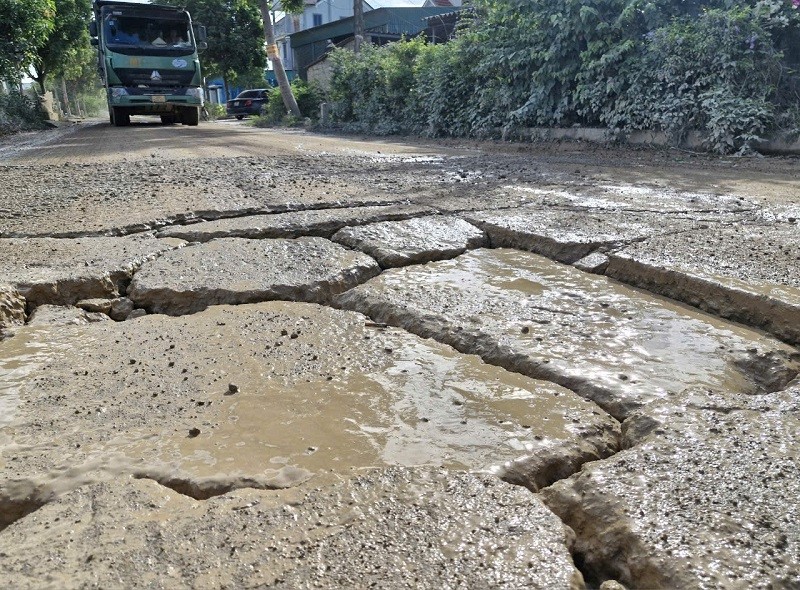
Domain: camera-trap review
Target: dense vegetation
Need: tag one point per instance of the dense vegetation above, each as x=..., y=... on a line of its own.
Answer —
x=308, y=97
x=47, y=40
x=727, y=68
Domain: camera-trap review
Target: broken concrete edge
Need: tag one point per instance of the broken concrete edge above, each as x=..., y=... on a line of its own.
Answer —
x=613, y=545
x=322, y=229
x=694, y=140
x=553, y=466
x=12, y=308
x=110, y=287
x=169, y=301
x=757, y=310
x=564, y=252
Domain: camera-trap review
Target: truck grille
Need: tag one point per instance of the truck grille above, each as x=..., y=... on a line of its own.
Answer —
x=136, y=77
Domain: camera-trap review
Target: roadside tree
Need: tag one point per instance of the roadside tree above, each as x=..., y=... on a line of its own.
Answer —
x=67, y=47
x=26, y=27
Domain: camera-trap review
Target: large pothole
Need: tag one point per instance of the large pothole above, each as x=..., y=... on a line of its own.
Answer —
x=620, y=347
x=267, y=395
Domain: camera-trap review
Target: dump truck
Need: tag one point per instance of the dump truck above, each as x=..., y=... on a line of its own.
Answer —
x=147, y=59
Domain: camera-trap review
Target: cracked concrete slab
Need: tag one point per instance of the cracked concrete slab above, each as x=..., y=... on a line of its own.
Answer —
x=394, y=528
x=706, y=499
x=748, y=273
x=568, y=235
x=238, y=270
x=143, y=195
x=643, y=197
x=266, y=395
x=414, y=241
x=63, y=271
x=617, y=346
x=321, y=223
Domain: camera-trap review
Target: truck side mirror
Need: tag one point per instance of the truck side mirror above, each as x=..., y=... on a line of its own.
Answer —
x=93, y=28
x=200, y=33
x=202, y=45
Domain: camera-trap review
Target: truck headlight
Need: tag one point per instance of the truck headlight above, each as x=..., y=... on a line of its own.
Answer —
x=195, y=92
x=117, y=92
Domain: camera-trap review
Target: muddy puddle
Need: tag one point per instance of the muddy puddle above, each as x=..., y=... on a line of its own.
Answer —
x=429, y=407
x=277, y=392
x=21, y=360
x=616, y=345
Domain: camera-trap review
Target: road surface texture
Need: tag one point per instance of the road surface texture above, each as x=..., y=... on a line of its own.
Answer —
x=243, y=358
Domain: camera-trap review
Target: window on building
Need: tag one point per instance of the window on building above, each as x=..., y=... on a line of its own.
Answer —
x=317, y=19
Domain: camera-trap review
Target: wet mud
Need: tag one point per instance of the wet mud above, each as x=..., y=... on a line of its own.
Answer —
x=682, y=508
x=270, y=395
x=619, y=347
x=208, y=378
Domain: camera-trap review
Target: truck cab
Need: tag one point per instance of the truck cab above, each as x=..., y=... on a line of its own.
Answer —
x=148, y=62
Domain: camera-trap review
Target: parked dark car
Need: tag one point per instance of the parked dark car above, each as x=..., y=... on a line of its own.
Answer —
x=249, y=102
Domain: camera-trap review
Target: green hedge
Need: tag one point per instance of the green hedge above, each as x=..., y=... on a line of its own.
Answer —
x=308, y=97
x=19, y=112
x=726, y=68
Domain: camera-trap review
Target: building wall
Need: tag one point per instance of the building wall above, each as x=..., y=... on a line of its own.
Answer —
x=329, y=10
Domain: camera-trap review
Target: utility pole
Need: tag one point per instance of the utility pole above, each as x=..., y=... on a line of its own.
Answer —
x=358, y=24
x=274, y=56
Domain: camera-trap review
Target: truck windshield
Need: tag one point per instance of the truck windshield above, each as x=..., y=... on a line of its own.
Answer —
x=146, y=31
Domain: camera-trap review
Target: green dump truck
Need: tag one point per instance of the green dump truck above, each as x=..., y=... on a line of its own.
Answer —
x=147, y=60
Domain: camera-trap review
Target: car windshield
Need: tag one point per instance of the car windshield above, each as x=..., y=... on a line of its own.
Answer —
x=250, y=94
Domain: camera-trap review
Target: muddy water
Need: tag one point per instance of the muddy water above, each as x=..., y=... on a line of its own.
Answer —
x=282, y=391
x=21, y=359
x=430, y=406
x=617, y=345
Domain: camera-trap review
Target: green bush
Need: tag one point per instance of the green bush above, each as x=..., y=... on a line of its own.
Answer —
x=19, y=112
x=308, y=97
x=215, y=111
x=374, y=89
x=719, y=73
x=727, y=68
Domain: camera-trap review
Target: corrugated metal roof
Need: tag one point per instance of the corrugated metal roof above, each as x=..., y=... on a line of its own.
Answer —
x=395, y=3
x=397, y=21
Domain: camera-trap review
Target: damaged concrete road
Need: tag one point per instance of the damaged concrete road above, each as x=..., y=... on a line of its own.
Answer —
x=271, y=394
x=209, y=378
x=393, y=528
x=619, y=347
x=696, y=500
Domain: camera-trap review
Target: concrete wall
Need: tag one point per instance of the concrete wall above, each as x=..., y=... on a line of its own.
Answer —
x=693, y=141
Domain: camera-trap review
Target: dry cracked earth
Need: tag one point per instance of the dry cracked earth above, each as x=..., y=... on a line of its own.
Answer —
x=240, y=358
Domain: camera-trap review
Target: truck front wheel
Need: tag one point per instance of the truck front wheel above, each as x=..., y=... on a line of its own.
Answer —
x=120, y=117
x=190, y=116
